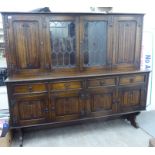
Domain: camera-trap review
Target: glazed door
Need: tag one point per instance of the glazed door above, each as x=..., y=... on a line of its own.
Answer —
x=29, y=110
x=63, y=43
x=26, y=44
x=127, y=42
x=95, y=42
x=132, y=98
x=67, y=106
x=102, y=102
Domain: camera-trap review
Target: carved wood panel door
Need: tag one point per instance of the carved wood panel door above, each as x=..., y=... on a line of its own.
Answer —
x=66, y=106
x=29, y=110
x=102, y=102
x=26, y=43
x=127, y=42
x=95, y=42
x=131, y=98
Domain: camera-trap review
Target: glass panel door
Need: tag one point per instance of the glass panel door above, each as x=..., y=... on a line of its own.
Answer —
x=95, y=38
x=95, y=43
x=63, y=42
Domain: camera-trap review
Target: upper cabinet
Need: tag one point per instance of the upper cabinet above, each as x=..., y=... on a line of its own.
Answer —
x=74, y=43
x=127, y=42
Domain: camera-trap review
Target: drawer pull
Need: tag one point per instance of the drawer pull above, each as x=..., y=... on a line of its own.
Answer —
x=131, y=80
x=102, y=83
x=67, y=85
x=46, y=110
x=30, y=88
x=82, y=96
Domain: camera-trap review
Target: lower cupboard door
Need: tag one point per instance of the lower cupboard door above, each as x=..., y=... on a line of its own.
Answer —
x=29, y=111
x=132, y=98
x=102, y=102
x=67, y=106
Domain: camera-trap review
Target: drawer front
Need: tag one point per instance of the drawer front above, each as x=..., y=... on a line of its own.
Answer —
x=66, y=85
x=28, y=88
x=99, y=82
x=132, y=79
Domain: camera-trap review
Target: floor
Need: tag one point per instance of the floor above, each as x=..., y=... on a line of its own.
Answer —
x=113, y=133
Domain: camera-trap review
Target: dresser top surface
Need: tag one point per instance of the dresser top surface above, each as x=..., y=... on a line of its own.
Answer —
x=68, y=13
x=53, y=76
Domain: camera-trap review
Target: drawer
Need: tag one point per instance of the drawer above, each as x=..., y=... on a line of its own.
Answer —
x=66, y=85
x=99, y=82
x=28, y=88
x=132, y=79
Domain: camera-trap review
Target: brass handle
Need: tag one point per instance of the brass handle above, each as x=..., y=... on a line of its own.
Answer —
x=102, y=83
x=82, y=96
x=46, y=110
x=30, y=88
x=131, y=80
x=67, y=85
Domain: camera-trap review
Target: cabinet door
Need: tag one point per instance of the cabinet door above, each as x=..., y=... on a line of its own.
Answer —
x=29, y=110
x=25, y=35
x=95, y=42
x=67, y=106
x=63, y=43
x=102, y=102
x=127, y=42
x=132, y=98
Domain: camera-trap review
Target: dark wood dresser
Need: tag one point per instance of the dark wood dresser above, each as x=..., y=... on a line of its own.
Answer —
x=67, y=67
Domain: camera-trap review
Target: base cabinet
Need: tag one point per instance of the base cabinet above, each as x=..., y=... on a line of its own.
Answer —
x=49, y=101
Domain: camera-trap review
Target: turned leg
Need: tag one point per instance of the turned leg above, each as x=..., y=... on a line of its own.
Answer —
x=20, y=132
x=132, y=119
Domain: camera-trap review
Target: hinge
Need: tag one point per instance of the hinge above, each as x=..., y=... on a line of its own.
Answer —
x=44, y=25
x=47, y=66
x=110, y=21
x=12, y=102
x=46, y=110
x=140, y=22
x=7, y=25
x=14, y=120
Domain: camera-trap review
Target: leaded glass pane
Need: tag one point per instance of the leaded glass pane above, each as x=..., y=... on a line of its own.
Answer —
x=62, y=35
x=95, y=44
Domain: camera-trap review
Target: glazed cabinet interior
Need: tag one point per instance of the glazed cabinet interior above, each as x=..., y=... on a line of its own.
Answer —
x=67, y=67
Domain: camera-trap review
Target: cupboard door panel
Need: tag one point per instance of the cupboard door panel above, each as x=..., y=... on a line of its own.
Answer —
x=102, y=102
x=67, y=106
x=132, y=98
x=26, y=35
x=127, y=42
x=30, y=110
